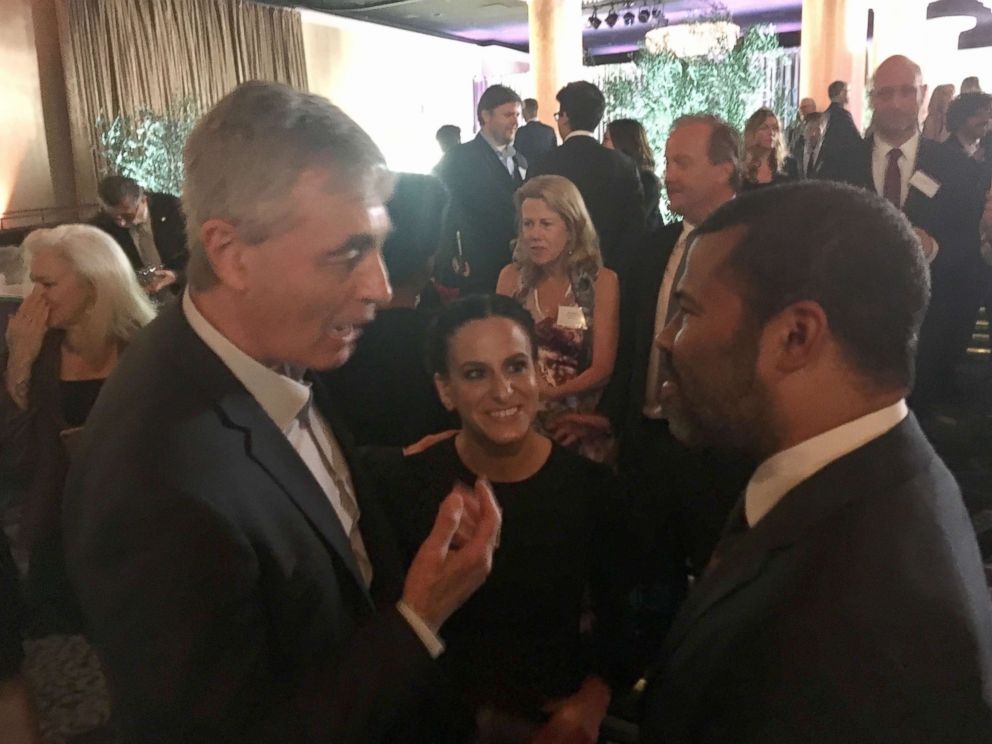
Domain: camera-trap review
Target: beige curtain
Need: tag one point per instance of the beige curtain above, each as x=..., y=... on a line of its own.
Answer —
x=121, y=56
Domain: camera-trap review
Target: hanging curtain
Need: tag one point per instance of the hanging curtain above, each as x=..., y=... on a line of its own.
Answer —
x=122, y=56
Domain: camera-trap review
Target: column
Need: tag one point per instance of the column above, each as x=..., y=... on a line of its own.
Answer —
x=555, y=50
x=834, y=45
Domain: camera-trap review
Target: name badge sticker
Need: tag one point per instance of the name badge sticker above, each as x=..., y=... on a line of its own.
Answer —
x=572, y=317
x=923, y=183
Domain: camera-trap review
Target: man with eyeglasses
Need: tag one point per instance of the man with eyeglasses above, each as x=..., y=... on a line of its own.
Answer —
x=149, y=227
x=940, y=193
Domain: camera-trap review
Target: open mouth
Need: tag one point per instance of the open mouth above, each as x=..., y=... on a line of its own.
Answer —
x=347, y=332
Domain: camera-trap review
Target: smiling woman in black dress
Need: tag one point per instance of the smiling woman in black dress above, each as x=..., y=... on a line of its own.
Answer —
x=516, y=652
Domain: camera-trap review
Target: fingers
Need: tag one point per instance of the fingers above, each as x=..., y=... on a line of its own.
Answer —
x=470, y=516
x=449, y=515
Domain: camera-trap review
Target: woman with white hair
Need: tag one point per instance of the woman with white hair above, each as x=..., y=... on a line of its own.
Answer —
x=61, y=344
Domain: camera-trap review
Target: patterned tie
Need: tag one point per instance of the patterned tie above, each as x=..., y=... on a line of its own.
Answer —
x=892, y=189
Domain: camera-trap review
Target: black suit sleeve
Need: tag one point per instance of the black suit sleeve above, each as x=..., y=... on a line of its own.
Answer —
x=192, y=655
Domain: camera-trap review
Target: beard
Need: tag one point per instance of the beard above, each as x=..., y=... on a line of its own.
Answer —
x=721, y=402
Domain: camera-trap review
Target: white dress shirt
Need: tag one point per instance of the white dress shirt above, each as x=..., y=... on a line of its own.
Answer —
x=506, y=154
x=579, y=133
x=907, y=163
x=288, y=400
x=782, y=472
x=652, y=400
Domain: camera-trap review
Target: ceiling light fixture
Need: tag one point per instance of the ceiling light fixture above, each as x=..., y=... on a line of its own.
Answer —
x=644, y=16
x=612, y=18
x=628, y=19
x=594, y=20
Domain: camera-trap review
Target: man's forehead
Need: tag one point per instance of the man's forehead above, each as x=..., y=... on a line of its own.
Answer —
x=708, y=254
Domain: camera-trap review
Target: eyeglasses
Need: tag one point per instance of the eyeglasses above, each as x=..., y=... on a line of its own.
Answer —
x=557, y=114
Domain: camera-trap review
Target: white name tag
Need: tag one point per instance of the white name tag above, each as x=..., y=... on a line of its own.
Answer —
x=570, y=316
x=922, y=182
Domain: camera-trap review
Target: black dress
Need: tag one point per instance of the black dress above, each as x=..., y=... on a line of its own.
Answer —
x=384, y=393
x=516, y=644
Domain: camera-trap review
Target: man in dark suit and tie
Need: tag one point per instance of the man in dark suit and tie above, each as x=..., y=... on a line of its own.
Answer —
x=805, y=162
x=940, y=192
x=237, y=577
x=846, y=601
x=150, y=227
x=607, y=179
x=535, y=138
x=481, y=176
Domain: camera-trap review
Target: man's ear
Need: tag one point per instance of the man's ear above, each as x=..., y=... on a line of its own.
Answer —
x=226, y=252
x=798, y=335
x=443, y=388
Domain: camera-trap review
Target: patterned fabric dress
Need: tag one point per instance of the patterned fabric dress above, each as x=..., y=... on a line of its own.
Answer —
x=565, y=353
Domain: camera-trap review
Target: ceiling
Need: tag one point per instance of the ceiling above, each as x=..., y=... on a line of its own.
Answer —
x=505, y=21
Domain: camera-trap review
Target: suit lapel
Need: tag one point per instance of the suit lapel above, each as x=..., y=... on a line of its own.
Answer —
x=919, y=208
x=493, y=162
x=879, y=465
x=265, y=444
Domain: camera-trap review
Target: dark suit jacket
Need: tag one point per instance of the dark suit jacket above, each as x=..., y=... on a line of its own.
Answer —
x=168, y=229
x=953, y=144
x=842, y=145
x=218, y=584
x=855, y=611
x=611, y=188
x=623, y=397
x=481, y=209
x=534, y=139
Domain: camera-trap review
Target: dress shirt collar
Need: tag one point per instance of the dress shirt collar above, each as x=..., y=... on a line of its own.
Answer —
x=281, y=396
x=504, y=152
x=909, y=148
x=782, y=472
x=579, y=133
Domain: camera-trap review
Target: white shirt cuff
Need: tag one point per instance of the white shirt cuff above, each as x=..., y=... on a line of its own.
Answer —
x=434, y=645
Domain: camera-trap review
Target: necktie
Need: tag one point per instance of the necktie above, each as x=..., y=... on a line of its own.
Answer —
x=810, y=163
x=892, y=189
x=319, y=450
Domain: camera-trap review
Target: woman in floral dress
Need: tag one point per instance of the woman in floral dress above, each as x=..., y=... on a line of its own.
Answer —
x=558, y=275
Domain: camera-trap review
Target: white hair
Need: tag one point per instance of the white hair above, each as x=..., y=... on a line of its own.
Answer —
x=120, y=307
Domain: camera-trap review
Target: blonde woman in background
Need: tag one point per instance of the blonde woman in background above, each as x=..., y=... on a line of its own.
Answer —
x=935, y=125
x=764, y=151
x=557, y=274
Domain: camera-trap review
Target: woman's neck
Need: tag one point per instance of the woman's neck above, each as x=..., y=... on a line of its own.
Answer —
x=509, y=463
x=77, y=342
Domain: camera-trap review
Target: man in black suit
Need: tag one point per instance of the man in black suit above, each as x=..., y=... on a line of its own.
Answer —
x=150, y=227
x=846, y=601
x=805, y=161
x=842, y=141
x=607, y=179
x=481, y=176
x=535, y=138
x=698, y=486
x=238, y=580
x=968, y=118
x=940, y=192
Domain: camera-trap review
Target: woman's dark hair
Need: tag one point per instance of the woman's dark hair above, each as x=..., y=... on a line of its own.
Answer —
x=460, y=312
x=628, y=136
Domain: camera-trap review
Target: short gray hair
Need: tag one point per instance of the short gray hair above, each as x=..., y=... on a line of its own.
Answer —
x=120, y=306
x=247, y=153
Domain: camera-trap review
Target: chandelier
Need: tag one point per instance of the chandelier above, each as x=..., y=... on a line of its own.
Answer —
x=702, y=39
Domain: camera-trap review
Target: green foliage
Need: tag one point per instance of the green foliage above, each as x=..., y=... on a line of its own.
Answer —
x=147, y=146
x=659, y=88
